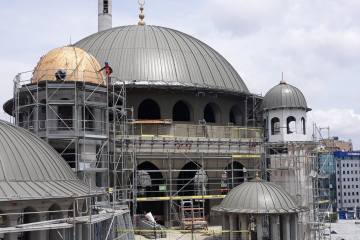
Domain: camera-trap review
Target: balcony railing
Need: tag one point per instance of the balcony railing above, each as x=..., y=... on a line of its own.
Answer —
x=196, y=131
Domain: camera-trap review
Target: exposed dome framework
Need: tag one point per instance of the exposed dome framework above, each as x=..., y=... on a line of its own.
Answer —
x=158, y=56
x=32, y=169
x=75, y=63
x=283, y=96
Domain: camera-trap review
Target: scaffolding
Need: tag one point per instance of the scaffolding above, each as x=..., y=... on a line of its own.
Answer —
x=94, y=130
x=81, y=120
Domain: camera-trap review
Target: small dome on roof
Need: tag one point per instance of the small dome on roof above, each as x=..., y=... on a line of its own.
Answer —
x=31, y=169
x=284, y=95
x=75, y=63
x=258, y=197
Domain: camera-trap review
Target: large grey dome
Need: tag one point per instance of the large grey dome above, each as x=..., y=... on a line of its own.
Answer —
x=31, y=169
x=258, y=197
x=152, y=55
x=284, y=96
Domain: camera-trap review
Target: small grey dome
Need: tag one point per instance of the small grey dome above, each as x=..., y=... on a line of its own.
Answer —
x=162, y=57
x=284, y=96
x=32, y=169
x=258, y=197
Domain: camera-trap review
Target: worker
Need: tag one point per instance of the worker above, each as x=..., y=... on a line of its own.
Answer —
x=108, y=71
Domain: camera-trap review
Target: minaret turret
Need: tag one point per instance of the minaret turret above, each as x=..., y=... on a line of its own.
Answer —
x=284, y=111
x=104, y=15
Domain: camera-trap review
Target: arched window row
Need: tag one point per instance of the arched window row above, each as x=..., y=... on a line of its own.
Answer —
x=182, y=111
x=291, y=125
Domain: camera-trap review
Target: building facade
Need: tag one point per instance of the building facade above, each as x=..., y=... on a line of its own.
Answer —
x=348, y=184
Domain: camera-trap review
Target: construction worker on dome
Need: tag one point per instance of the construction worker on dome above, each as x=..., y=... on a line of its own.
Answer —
x=108, y=71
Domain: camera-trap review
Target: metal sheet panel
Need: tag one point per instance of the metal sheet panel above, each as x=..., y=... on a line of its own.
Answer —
x=284, y=95
x=258, y=197
x=32, y=169
x=152, y=55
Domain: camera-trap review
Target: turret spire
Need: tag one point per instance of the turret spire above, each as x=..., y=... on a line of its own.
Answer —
x=141, y=15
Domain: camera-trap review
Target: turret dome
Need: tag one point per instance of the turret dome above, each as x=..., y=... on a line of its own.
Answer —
x=68, y=64
x=283, y=96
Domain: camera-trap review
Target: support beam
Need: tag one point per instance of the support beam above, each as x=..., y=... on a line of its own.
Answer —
x=275, y=227
x=234, y=226
x=225, y=227
x=243, y=226
x=285, y=224
x=259, y=227
x=294, y=226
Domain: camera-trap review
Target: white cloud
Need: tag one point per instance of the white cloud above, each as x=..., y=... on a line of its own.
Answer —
x=344, y=123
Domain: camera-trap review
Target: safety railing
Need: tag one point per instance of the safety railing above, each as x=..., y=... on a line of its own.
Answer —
x=196, y=131
x=92, y=127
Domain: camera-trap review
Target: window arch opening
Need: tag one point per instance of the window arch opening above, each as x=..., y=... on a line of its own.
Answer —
x=211, y=113
x=275, y=126
x=235, y=116
x=149, y=110
x=181, y=112
x=291, y=125
x=303, y=125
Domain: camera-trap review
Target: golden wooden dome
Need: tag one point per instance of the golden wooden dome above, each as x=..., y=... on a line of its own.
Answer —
x=74, y=63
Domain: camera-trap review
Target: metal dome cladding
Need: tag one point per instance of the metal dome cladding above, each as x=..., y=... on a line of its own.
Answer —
x=158, y=56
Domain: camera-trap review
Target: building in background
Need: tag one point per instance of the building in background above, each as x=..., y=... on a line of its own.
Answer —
x=327, y=170
x=348, y=184
x=335, y=144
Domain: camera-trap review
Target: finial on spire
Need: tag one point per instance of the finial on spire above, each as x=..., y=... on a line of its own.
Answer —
x=282, y=78
x=141, y=15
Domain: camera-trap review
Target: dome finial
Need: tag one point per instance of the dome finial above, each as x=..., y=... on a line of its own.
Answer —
x=141, y=15
x=282, y=78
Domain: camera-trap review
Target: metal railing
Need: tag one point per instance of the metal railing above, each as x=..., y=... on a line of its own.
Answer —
x=197, y=131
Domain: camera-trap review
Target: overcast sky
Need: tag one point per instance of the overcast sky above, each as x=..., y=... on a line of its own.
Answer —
x=316, y=43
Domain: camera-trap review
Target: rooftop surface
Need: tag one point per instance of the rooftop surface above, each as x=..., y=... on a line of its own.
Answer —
x=346, y=229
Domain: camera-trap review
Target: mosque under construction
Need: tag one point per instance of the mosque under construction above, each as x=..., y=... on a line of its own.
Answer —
x=169, y=128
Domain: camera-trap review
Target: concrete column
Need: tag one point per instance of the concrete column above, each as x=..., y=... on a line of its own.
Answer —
x=259, y=227
x=233, y=226
x=294, y=227
x=285, y=223
x=225, y=226
x=13, y=221
x=275, y=227
x=42, y=235
x=243, y=226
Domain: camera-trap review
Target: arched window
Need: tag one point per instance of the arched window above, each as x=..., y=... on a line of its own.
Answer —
x=291, y=125
x=149, y=109
x=211, y=113
x=192, y=180
x=30, y=216
x=235, y=115
x=275, y=126
x=65, y=116
x=303, y=124
x=181, y=112
x=150, y=181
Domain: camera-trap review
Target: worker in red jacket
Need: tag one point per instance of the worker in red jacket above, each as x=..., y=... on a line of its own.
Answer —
x=108, y=70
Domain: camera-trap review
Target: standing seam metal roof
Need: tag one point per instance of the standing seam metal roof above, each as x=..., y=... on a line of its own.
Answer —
x=32, y=169
x=284, y=95
x=258, y=197
x=153, y=55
